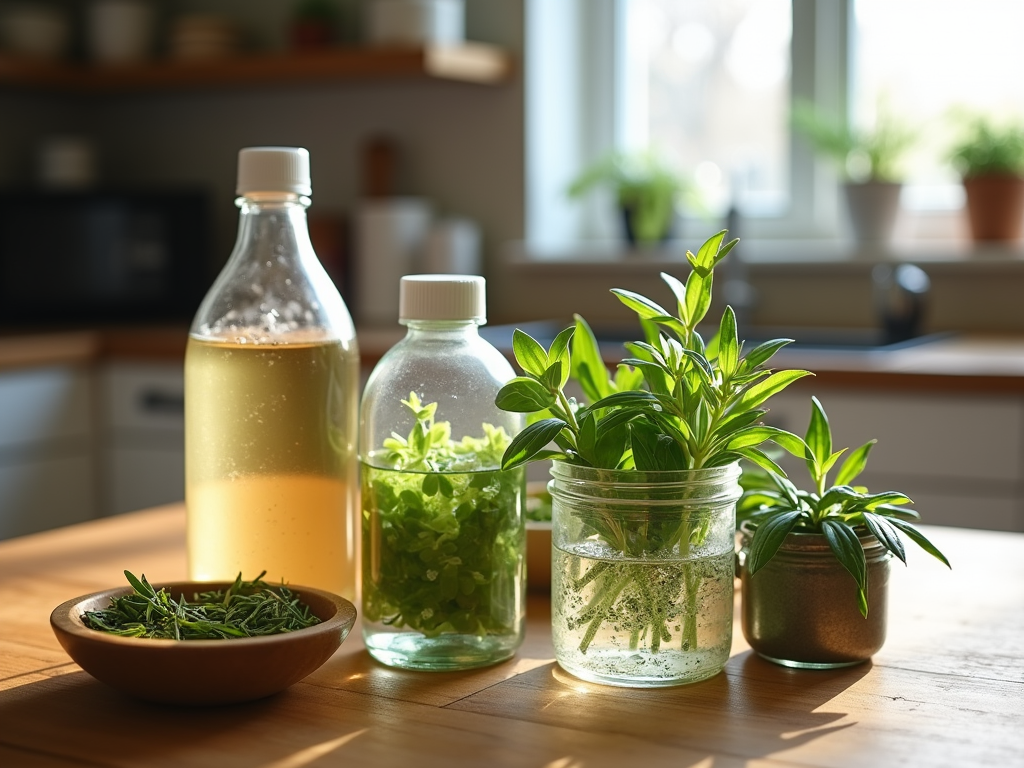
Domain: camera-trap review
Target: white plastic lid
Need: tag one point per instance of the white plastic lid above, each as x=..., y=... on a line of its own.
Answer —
x=273, y=169
x=442, y=297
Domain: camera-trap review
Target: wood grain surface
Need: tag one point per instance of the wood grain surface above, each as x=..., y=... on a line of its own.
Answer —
x=946, y=690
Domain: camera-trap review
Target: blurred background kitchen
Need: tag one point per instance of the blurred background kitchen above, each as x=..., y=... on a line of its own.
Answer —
x=848, y=142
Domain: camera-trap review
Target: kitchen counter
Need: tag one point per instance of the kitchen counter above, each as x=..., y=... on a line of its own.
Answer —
x=946, y=690
x=959, y=362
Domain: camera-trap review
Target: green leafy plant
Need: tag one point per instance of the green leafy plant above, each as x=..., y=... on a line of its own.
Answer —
x=676, y=403
x=986, y=148
x=841, y=512
x=861, y=154
x=442, y=528
x=244, y=609
x=645, y=187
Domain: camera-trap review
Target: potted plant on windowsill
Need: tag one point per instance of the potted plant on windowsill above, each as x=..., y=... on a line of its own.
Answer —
x=645, y=481
x=801, y=548
x=646, y=190
x=869, y=161
x=990, y=160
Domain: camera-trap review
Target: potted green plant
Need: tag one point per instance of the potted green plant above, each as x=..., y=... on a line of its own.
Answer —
x=990, y=160
x=646, y=190
x=869, y=161
x=645, y=481
x=814, y=565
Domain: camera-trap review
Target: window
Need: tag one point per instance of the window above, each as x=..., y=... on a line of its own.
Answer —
x=710, y=83
x=932, y=69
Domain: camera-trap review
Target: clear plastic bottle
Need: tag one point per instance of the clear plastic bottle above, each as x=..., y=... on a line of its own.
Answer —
x=271, y=398
x=443, y=537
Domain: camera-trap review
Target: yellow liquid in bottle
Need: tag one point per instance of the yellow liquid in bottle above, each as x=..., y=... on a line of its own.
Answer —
x=270, y=462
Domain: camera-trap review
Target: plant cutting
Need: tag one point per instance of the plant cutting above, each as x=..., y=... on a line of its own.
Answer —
x=801, y=548
x=646, y=190
x=990, y=160
x=869, y=162
x=645, y=480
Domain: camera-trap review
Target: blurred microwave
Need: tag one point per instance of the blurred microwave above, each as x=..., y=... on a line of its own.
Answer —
x=82, y=257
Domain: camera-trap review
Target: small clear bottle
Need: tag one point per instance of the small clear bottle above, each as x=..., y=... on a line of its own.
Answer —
x=271, y=398
x=443, y=537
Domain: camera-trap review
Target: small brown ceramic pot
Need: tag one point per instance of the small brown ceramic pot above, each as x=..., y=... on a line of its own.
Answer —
x=995, y=206
x=800, y=609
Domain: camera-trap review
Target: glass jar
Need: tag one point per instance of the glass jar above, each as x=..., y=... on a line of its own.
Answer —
x=271, y=399
x=442, y=524
x=800, y=609
x=642, y=573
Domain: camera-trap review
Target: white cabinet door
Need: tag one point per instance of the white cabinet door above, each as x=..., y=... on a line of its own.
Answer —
x=42, y=493
x=43, y=405
x=47, y=470
x=144, y=461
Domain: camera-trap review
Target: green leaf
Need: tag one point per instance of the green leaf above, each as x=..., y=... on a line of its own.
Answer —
x=586, y=442
x=618, y=399
x=762, y=353
x=643, y=306
x=725, y=249
x=679, y=291
x=838, y=494
x=753, y=436
x=764, y=389
x=707, y=253
x=818, y=439
x=831, y=460
x=846, y=546
x=854, y=464
x=760, y=459
x=431, y=485
x=559, y=352
x=768, y=537
x=698, y=297
x=587, y=365
x=918, y=538
x=886, y=533
x=667, y=321
x=728, y=345
x=627, y=378
x=738, y=421
x=523, y=395
x=552, y=378
x=612, y=440
x=528, y=443
x=529, y=353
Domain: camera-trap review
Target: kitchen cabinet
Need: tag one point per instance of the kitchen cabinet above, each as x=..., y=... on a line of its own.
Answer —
x=47, y=441
x=143, y=435
x=960, y=456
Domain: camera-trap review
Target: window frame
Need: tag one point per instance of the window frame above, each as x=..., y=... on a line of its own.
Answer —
x=589, y=40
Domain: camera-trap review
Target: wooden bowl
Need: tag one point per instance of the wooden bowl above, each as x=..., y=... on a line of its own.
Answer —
x=202, y=672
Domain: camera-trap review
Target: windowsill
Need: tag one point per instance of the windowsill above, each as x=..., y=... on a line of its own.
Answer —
x=612, y=256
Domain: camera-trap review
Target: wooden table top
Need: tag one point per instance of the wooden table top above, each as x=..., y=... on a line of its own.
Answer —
x=947, y=689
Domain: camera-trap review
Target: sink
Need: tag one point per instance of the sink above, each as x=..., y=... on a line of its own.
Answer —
x=805, y=338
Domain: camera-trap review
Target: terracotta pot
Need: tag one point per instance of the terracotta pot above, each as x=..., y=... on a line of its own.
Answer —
x=995, y=206
x=800, y=609
x=872, y=207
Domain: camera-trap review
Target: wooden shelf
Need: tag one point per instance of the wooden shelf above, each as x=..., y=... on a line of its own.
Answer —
x=469, y=63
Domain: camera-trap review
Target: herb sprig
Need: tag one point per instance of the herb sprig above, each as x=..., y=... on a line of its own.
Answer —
x=244, y=609
x=675, y=404
x=840, y=512
x=442, y=530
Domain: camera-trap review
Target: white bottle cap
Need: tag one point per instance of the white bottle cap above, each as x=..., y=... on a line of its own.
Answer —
x=442, y=297
x=273, y=169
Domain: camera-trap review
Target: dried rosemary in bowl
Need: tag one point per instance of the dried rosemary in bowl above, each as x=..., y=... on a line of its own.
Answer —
x=245, y=609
